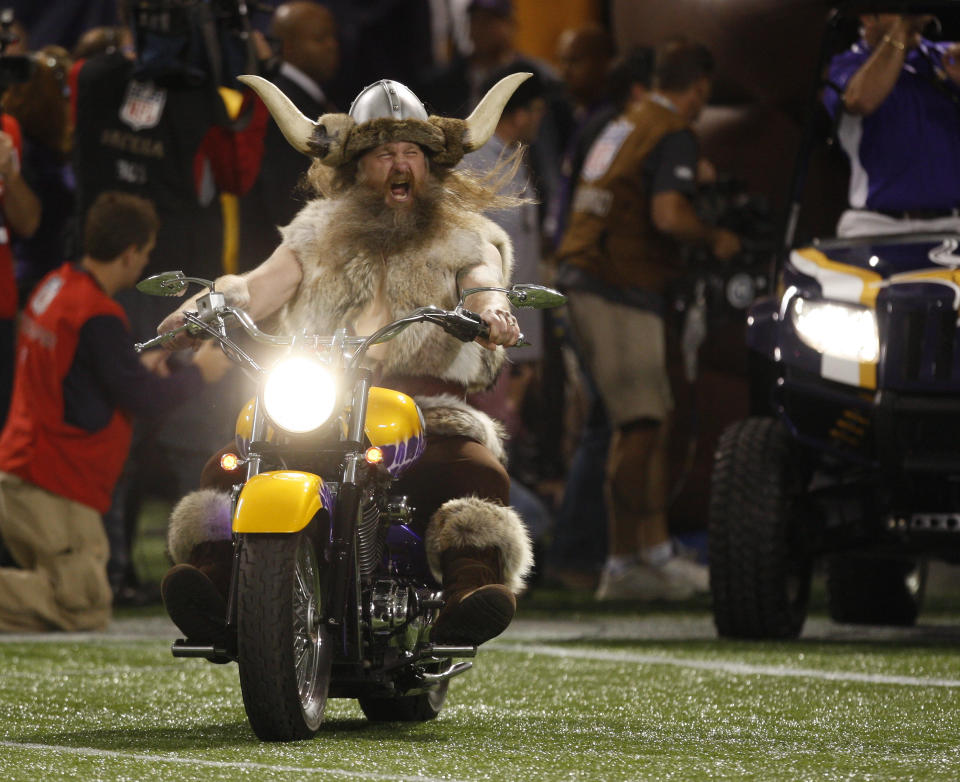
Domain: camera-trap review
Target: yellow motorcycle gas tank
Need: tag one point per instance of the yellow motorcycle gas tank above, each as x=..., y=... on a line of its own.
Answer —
x=395, y=425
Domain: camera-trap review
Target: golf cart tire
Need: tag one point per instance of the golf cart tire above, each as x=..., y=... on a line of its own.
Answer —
x=875, y=590
x=759, y=575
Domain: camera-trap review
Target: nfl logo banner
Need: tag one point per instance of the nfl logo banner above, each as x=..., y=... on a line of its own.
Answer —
x=142, y=105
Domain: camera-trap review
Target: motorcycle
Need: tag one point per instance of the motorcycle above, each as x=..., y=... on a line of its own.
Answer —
x=330, y=593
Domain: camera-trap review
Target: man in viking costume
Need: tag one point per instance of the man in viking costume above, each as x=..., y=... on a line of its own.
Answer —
x=396, y=228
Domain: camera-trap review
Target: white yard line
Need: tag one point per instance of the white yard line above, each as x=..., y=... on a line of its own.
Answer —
x=523, y=637
x=305, y=772
x=718, y=666
x=55, y=672
x=721, y=666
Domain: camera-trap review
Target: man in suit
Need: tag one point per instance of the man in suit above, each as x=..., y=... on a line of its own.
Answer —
x=308, y=55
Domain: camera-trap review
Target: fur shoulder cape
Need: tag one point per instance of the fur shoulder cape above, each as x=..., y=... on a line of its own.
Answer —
x=337, y=283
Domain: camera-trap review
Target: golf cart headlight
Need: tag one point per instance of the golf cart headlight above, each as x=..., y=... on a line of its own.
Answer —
x=299, y=394
x=839, y=330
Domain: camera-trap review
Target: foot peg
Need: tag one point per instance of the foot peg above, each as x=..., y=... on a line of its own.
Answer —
x=215, y=654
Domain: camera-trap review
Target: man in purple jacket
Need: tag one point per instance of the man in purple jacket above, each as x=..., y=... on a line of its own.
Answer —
x=897, y=95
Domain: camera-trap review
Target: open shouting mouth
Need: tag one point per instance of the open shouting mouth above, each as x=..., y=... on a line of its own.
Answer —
x=401, y=188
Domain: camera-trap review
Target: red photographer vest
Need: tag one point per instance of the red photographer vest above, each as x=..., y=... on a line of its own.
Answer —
x=37, y=444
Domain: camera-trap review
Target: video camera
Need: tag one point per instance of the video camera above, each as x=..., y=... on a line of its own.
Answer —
x=194, y=41
x=729, y=288
x=14, y=68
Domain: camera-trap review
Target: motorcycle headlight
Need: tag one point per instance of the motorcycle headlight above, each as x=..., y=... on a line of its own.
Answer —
x=839, y=330
x=299, y=394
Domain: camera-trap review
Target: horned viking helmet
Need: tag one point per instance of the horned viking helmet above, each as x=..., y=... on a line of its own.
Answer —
x=383, y=112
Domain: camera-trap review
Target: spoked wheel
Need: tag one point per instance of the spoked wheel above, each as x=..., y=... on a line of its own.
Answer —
x=410, y=708
x=875, y=590
x=285, y=649
x=759, y=571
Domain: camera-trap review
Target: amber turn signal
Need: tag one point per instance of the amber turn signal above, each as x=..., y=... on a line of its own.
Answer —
x=229, y=462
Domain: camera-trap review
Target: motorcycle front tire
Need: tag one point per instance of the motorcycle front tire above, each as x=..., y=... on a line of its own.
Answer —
x=285, y=651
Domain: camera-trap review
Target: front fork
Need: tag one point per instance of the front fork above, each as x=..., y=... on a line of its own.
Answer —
x=257, y=434
x=342, y=581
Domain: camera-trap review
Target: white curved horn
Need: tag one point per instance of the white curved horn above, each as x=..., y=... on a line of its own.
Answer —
x=483, y=120
x=296, y=128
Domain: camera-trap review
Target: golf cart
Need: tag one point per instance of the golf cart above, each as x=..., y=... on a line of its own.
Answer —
x=855, y=462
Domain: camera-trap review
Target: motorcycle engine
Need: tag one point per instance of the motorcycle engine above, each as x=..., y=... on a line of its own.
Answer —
x=389, y=606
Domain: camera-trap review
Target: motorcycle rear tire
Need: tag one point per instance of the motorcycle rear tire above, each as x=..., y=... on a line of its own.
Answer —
x=285, y=652
x=410, y=708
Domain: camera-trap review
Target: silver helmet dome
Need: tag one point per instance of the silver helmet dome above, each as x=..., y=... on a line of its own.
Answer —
x=386, y=99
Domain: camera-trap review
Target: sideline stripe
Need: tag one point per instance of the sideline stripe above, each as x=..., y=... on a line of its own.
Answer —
x=306, y=772
x=557, y=651
x=726, y=667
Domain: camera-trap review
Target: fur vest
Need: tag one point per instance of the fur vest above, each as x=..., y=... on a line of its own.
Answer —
x=337, y=283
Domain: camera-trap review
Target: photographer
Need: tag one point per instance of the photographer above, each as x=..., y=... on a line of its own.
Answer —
x=631, y=212
x=19, y=206
x=78, y=384
x=42, y=107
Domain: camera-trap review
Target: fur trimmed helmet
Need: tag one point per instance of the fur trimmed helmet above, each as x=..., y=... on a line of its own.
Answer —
x=383, y=112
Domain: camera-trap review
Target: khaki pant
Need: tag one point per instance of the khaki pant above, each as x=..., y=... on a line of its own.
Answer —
x=625, y=350
x=62, y=551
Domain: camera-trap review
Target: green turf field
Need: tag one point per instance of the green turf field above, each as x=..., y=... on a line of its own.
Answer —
x=568, y=694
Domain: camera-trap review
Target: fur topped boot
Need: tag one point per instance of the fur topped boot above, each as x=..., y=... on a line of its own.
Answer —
x=480, y=552
x=195, y=589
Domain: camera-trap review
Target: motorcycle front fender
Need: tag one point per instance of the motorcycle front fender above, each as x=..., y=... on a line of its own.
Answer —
x=279, y=501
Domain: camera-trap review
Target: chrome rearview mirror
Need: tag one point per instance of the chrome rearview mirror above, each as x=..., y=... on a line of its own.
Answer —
x=538, y=297
x=164, y=284
x=170, y=284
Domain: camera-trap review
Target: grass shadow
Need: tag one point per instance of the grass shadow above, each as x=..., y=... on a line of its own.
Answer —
x=430, y=732
x=159, y=738
x=217, y=736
